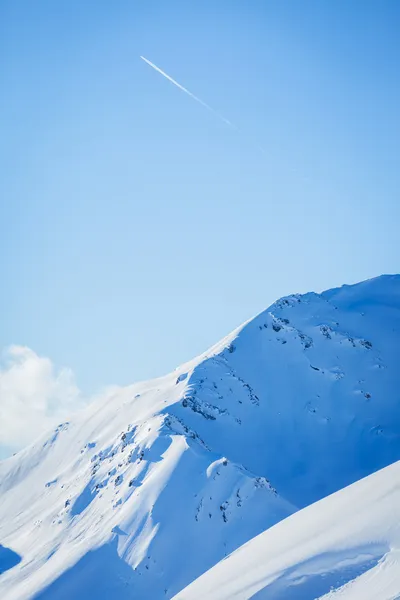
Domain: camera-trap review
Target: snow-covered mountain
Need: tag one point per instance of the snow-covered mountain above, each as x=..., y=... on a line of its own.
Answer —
x=346, y=546
x=139, y=495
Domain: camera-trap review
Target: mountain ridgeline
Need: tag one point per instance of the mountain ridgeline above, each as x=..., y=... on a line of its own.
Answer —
x=140, y=494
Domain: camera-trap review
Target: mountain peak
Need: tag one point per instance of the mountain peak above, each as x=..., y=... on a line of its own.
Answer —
x=292, y=406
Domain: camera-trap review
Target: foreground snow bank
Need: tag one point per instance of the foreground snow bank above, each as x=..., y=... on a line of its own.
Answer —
x=346, y=546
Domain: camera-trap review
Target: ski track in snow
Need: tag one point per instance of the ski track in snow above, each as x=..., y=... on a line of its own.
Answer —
x=142, y=494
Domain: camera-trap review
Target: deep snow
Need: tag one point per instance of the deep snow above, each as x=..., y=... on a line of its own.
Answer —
x=141, y=494
x=346, y=546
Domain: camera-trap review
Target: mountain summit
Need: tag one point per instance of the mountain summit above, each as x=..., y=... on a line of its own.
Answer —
x=139, y=495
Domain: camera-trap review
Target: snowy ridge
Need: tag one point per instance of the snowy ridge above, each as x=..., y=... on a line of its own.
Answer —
x=110, y=492
x=142, y=493
x=317, y=372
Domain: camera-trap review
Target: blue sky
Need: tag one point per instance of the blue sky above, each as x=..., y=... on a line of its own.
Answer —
x=136, y=227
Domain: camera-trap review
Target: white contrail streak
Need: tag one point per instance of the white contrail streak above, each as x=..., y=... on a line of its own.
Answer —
x=189, y=93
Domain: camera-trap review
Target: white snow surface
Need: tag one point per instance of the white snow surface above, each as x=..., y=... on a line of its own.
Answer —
x=346, y=546
x=141, y=494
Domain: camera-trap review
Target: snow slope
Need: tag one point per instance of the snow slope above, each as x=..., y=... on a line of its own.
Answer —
x=116, y=501
x=344, y=546
x=307, y=393
x=141, y=494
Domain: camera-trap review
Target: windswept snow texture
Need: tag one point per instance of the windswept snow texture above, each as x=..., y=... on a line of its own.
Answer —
x=346, y=546
x=139, y=495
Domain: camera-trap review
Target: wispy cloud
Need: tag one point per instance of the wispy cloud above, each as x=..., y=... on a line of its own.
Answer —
x=181, y=87
x=33, y=396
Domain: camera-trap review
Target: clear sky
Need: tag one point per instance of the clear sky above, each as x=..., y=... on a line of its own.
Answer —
x=137, y=228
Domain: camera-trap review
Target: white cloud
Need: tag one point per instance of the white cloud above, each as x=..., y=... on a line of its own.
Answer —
x=33, y=396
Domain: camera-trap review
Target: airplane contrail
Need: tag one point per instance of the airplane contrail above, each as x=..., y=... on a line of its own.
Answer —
x=187, y=92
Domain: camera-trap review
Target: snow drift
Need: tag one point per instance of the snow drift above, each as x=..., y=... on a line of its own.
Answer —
x=344, y=546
